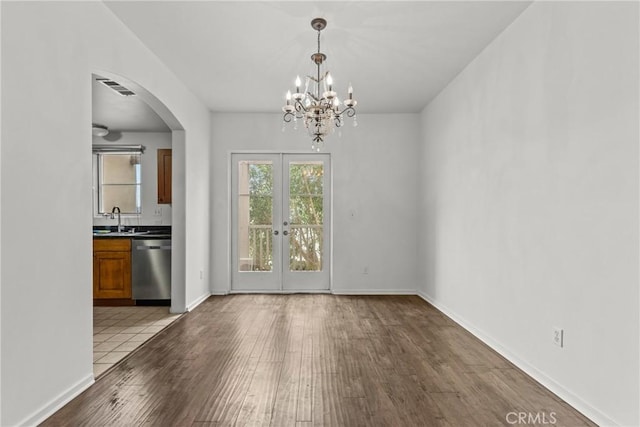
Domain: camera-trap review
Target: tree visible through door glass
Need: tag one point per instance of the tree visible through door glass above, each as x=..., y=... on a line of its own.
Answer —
x=306, y=216
x=255, y=216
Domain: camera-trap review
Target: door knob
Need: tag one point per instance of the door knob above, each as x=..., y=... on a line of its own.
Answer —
x=285, y=232
x=275, y=232
x=285, y=223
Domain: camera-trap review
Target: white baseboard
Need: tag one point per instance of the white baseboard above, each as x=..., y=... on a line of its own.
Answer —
x=373, y=291
x=276, y=292
x=576, y=402
x=55, y=404
x=321, y=291
x=198, y=301
x=304, y=291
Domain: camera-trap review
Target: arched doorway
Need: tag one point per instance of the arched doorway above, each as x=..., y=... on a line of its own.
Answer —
x=128, y=102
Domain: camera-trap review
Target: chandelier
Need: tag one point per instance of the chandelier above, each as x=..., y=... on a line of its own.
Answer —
x=318, y=104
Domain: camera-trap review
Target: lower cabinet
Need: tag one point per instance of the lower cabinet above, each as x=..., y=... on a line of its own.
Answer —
x=112, y=270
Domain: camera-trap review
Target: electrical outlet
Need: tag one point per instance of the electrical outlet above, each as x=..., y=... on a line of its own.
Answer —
x=558, y=336
x=365, y=270
x=157, y=211
x=201, y=274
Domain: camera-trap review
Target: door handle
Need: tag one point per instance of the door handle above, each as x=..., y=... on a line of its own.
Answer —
x=285, y=232
x=275, y=232
x=285, y=223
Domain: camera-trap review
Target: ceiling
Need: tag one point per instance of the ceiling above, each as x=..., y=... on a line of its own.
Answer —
x=122, y=113
x=243, y=56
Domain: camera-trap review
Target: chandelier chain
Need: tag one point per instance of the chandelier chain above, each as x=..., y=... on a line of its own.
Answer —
x=318, y=66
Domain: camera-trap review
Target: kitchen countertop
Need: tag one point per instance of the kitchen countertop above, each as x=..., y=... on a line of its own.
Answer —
x=139, y=232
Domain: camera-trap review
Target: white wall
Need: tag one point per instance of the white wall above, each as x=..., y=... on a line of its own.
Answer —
x=374, y=178
x=530, y=201
x=49, y=51
x=152, y=141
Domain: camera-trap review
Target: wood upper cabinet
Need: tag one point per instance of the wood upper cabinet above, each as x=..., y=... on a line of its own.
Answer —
x=164, y=176
x=111, y=268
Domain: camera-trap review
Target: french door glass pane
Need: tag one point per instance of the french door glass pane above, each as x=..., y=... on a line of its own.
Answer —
x=306, y=216
x=255, y=216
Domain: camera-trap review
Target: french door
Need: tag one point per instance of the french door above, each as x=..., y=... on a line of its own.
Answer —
x=280, y=222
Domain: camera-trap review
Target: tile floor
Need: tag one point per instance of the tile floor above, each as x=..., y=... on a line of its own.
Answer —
x=118, y=331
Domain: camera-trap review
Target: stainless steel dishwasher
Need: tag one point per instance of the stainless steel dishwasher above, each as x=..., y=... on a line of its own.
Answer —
x=151, y=269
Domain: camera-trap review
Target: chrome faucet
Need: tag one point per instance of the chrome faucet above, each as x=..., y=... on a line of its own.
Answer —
x=113, y=211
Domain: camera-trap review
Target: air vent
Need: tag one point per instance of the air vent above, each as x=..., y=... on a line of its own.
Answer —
x=116, y=87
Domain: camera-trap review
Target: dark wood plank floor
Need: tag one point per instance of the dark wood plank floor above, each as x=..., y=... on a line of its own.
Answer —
x=303, y=360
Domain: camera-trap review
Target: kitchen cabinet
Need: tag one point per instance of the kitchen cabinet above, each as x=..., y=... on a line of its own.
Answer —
x=164, y=176
x=112, y=270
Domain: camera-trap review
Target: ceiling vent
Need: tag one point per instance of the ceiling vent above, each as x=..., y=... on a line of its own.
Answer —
x=116, y=87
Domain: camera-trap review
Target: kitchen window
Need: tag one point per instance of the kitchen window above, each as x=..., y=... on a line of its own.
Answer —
x=117, y=182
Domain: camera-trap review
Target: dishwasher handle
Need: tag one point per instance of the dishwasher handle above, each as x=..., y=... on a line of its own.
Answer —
x=146, y=248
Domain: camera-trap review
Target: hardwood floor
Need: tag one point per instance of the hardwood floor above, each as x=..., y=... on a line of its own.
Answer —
x=308, y=360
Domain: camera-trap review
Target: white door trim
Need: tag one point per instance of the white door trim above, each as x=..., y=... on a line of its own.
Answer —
x=260, y=283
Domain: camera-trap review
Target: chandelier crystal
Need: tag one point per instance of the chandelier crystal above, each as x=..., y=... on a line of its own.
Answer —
x=317, y=104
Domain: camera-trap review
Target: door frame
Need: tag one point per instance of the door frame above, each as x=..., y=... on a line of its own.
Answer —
x=328, y=249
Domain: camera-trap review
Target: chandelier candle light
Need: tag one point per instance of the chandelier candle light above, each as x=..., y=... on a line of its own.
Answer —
x=318, y=104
